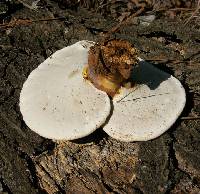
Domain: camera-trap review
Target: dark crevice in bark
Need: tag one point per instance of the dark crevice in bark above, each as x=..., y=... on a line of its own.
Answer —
x=138, y=190
x=46, y=145
x=4, y=71
x=61, y=190
x=95, y=137
x=173, y=166
x=168, y=37
x=106, y=185
x=5, y=187
x=94, y=31
x=192, y=56
x=6, y=99
x=190, y=100
x=12, y=41
x=31, y=168
x=43, y=50
x=175, y=173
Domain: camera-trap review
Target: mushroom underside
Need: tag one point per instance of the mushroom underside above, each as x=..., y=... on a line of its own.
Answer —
x=58, y=103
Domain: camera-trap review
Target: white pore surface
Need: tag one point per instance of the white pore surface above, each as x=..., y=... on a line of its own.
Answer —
x=57, y=103
x=149, y=109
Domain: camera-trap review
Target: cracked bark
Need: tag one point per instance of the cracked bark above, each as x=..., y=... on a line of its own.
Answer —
x=97, y=163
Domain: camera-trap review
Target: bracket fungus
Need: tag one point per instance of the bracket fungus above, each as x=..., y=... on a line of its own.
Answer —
x=86, y=86
x=57, y=103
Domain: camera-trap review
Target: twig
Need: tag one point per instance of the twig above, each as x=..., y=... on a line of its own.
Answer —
x=181, y=9
x=32, y=7
x=194, y=13
x=174, y=61
x=176, y=9
x=190, y=118
x=17, y=22
x=121, y=24
x=101, y=6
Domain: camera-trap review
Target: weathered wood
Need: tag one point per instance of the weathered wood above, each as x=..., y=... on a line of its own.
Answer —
x=98, y=163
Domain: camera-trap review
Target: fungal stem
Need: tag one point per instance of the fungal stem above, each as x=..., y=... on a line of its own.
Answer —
x=110, y=65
